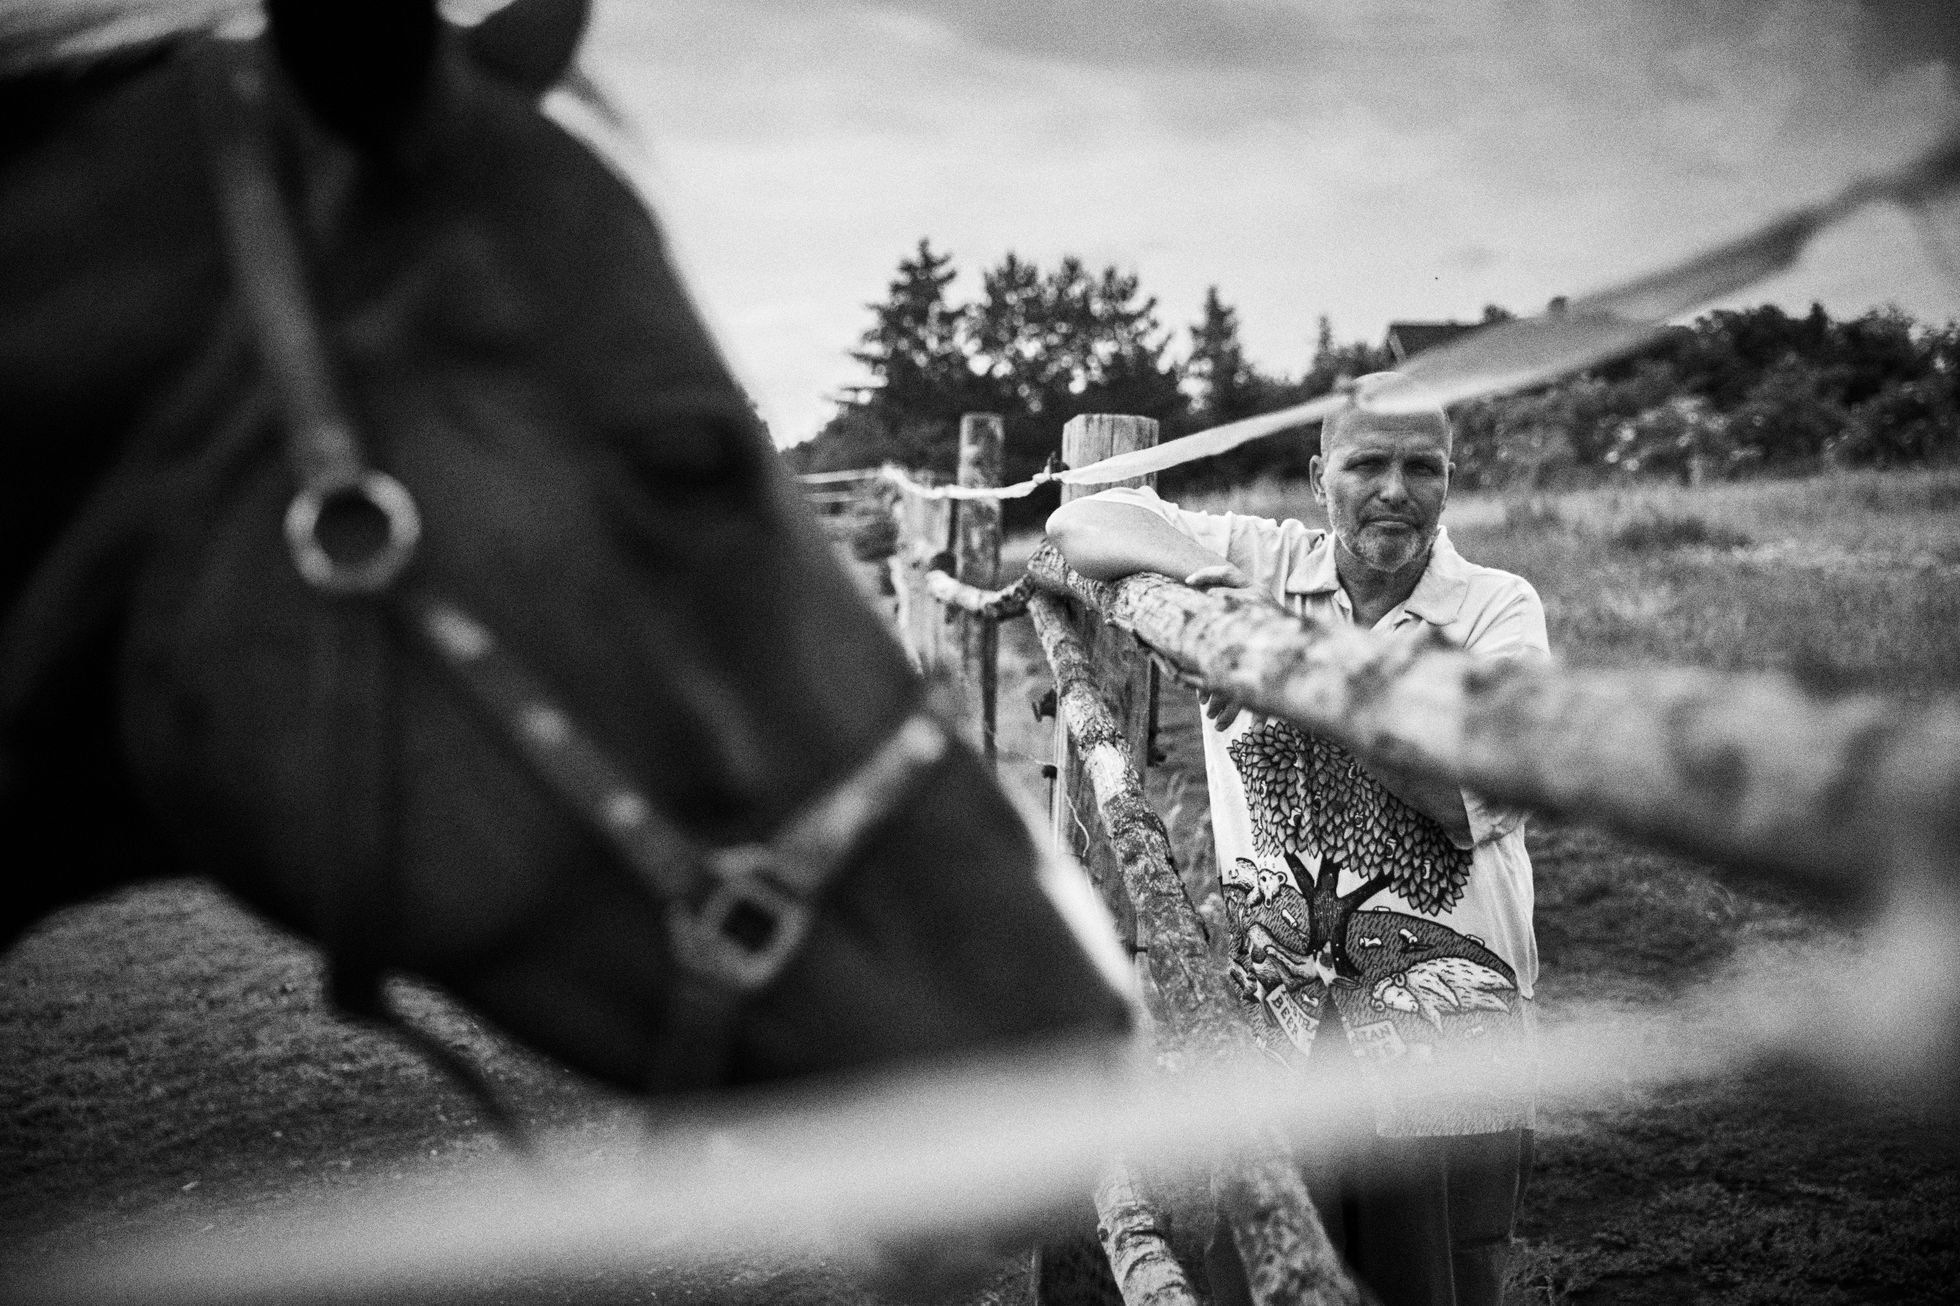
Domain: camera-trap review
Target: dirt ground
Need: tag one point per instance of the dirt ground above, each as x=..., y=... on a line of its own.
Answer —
x=169, y=1068
x=166, y=1065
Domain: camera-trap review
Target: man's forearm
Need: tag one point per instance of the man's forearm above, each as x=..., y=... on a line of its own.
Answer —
x=1107, y=541
x=1440, y=800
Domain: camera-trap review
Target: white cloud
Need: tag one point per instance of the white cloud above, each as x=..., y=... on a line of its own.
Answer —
x=1365, y=159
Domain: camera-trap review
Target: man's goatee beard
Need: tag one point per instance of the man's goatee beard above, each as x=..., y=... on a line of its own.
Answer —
x=1418, y=548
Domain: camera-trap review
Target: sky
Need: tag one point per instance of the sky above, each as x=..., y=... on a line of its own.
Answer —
x=1371, y=160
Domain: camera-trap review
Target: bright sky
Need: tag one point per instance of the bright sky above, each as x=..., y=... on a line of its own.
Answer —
x=1367, y=159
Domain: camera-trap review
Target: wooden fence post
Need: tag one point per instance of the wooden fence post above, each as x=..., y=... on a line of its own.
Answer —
x=1124, y=673
x=1075, y=1271
x=976, y=562
x=1196, y=1017
x=925, y=540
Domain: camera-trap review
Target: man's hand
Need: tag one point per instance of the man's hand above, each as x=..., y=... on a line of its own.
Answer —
x=1220, y=575
x=1439, y=800
x=1223, y=709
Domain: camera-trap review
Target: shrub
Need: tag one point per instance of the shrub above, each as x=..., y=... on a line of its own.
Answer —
x=1789, y=417
x=1532, y=515
x=1905, y=424
x=1654, y=531
x=875, y=538
x=1683, y=438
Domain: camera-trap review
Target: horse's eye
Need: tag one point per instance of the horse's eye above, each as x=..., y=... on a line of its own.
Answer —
x=690, y=451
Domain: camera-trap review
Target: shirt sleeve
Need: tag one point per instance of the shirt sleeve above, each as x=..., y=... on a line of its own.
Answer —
x=1514, y=625
x=1515, y=628
x=1207, y=529
x=1260, y=547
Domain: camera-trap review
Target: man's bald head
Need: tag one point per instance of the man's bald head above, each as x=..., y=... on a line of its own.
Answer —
x=1382, y=479
x=1349, y=419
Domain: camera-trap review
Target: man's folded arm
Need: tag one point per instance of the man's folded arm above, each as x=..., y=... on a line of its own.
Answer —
x=1438, y=799
x=1108, y=541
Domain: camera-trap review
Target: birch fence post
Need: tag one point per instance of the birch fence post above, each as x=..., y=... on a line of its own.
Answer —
x=976, y=562
x=1196, y=1018
x=1071, y=1272
x=1124, y=673
x=925, y=540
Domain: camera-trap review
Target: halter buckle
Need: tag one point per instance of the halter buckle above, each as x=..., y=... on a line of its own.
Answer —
x=378, y=566
x=746, y=928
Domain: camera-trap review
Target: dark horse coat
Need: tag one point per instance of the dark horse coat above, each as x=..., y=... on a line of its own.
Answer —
x=504, y=330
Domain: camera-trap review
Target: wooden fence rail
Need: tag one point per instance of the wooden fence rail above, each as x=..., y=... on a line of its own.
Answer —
x=833, y=494
x=1845, y=795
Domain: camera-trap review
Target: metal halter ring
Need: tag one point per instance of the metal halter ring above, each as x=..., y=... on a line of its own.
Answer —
x=378, y=568
x=744, y=931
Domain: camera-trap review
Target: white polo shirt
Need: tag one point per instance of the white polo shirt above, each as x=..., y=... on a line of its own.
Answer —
x=1335, y=889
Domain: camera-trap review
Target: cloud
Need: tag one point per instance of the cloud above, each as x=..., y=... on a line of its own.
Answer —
x=1369, y=159
x=1136, y=33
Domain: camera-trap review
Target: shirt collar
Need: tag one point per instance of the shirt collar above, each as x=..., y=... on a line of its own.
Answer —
x=1437, y=597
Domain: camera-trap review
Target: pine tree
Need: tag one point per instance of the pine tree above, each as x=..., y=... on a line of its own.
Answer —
x=1044, y=347
x=1011, y=337
x=1227, y=387
x=914, y=351
x=1334, y=363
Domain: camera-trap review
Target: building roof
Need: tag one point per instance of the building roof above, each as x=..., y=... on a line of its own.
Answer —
x=1409, y=338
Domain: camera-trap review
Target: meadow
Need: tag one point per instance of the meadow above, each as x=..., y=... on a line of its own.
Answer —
x=1769, y=1186
x=168, y=1065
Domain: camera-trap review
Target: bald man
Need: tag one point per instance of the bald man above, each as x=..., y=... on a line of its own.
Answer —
x=1373, y=911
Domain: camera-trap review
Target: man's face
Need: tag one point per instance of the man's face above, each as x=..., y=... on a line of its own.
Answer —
x=1382, y=482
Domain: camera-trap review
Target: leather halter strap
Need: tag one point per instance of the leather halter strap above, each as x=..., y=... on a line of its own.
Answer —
x=734, y=915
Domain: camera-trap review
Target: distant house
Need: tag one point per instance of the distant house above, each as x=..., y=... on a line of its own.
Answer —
x=1406, y=339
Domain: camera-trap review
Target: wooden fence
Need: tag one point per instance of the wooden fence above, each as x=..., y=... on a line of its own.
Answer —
x=1855, y=798
x=833, y=494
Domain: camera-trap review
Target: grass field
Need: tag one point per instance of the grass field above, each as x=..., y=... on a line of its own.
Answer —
x=1768, y=1187
x=168, y=1066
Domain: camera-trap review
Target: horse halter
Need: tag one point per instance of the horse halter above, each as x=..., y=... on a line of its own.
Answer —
x=734, y=915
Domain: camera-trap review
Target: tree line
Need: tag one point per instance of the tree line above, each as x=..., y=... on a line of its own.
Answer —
x=1736, y=393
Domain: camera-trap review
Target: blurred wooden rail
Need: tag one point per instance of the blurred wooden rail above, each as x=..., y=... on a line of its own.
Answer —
x=835, y=493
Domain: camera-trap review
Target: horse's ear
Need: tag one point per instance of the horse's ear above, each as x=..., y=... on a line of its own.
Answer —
x=530, y=43
x=362, y=65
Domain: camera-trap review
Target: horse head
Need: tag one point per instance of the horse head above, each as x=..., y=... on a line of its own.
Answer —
x=584, y=487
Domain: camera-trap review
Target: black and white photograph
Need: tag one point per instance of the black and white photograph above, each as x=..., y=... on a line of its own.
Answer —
x=980, y=652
